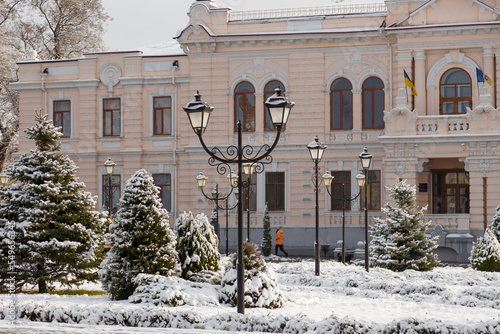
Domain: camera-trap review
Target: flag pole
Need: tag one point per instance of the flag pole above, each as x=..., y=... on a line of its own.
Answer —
x=406, y=91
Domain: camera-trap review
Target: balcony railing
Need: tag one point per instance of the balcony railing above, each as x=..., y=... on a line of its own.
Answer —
x=308, y=11
x=459, y=220
x=442, y=124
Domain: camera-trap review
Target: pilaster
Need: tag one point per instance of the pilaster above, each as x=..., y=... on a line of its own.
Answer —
x=404, y=60
x=420, y=75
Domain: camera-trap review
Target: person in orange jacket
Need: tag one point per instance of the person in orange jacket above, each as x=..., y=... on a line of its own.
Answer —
x=279, y=241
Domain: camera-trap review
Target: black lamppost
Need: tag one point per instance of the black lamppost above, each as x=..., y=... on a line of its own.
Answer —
x=199, y=113
x=110, y=167
x=327, y=179
x=217, y=197
x=227, y=208
x=316, y=149
x=248, y=169
x=366, y=159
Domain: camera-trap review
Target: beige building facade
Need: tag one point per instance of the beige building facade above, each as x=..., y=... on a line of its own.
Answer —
x=343, y=66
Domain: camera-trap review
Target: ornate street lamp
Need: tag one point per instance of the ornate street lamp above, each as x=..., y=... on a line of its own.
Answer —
x=316, y=149
x=4, y=179
x=366, y=160
x=327, y=179
x=199, y=113
x=216, y=197
x=109, y=165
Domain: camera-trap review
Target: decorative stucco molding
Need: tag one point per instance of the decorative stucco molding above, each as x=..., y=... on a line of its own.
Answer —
x=259, y=72
x=448, y=59
x=110, y=75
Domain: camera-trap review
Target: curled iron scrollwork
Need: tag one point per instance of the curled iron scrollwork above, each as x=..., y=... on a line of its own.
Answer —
x=317, y=181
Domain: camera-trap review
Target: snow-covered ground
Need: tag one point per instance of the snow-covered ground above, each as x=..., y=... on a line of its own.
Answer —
x=445, y=300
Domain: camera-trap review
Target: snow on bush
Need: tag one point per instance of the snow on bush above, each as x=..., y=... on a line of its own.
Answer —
x=448, y=286
x=343, y=299
x=197, y=244
x=399, y=241
x=173, y=291
x=485, y=253
x=261, y=285
x=141, y=239
x=207, y=276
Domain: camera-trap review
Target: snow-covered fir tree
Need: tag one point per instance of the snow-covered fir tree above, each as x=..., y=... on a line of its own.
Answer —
x=57, y=234
x=197, y=244
x=267, y=241
x=141, y=240
x=485, y=253
x=495, y=224
x=399, y=241
x=261, y=284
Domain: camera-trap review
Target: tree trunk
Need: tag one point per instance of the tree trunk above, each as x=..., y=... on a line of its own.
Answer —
x=42, y=284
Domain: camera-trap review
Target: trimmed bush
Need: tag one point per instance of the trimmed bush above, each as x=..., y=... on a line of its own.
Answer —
x=197, y=244
x=261, y=285
x=485, y=254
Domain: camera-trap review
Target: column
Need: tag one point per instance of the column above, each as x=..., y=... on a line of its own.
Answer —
x=357, y=113
x=404, y=59
x=419, y=82
x=488, y=69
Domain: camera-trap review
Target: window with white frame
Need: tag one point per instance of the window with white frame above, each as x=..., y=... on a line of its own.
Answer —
x=341, y=104
x=373, y=103
x=111, y=188
x=162, y=115
x=62, y=116
x=455, y=92
x=111, y=117
x=164, y=184
x=244, y=106
x=275, y=191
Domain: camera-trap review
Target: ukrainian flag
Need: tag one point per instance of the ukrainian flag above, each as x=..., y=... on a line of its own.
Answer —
x=410, y=84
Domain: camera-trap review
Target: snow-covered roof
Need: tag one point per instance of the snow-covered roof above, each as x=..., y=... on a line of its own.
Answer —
x=170, y=48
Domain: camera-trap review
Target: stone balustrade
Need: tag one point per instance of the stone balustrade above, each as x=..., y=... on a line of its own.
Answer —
x=307, y=11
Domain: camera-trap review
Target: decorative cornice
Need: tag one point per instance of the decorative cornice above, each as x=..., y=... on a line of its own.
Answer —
x=144, y=81
x=37, y=86
x=473, y=28
x=284, y=38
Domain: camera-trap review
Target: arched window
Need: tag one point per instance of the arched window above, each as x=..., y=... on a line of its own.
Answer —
x=268, y=91
x=373, y=103
x=456, y=92
x=341, y=104
x=244, y=106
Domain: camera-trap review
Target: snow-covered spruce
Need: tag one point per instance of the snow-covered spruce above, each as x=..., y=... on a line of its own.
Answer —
x=197, y=244
x=173, y=291
x=141, y=239
x=495, y=224
x=399, y=241
x=485, y=253
x=267, y=242
x=261, y=285
x=49, y=230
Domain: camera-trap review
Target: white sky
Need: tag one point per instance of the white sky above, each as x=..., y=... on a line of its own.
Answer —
x=139, y=23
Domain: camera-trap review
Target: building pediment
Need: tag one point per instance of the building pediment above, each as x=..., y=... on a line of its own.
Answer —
x=197, y=32
x=433, y=12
